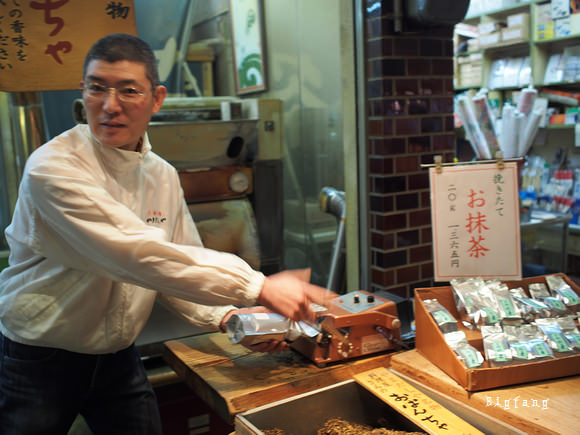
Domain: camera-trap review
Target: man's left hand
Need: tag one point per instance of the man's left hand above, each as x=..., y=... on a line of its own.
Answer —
x=270, y=346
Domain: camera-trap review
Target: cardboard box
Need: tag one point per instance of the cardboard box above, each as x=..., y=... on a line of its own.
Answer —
x=560, y=8
x=575, y=24
x=515, y=34
x=470, y=74
x=562, y=27
x=522, y=19
x=489, y=27
x=431, y=343
x=473, y=44
x=544, y=24
x=489, y=40
x=545, y=32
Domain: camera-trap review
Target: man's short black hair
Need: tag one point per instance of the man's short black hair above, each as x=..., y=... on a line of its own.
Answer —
x=122, y=46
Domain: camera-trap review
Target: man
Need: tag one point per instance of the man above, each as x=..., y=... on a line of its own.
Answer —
x=85, y=268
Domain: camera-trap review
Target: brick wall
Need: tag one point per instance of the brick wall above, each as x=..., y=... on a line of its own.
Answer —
x=409, y=121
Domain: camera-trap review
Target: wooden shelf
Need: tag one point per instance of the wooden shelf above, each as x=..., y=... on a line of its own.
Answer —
x=560, y=126
x=465, y=88
x=469, y=53
x=564, y=39
x=559, y=85
x=509, y=45
x=539, y=51
x=501, y=12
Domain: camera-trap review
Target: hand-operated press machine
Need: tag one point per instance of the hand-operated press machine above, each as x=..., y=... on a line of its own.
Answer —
x=354, y=324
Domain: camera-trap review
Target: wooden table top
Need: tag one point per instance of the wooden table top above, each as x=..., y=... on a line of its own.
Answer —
x=546, y=407
x=232, y=379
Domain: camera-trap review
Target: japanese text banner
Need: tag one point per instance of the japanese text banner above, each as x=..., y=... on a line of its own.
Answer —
x=476, y=221
x=43, y=43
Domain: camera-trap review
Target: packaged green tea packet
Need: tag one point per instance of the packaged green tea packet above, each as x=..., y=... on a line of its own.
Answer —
x=527, y=343
x=560, y=288
x=466, y=353
x=557, y=307
x=539, y=290
x=442, y=316
x=495, y=345
x=570, y=330
x=488, y=311
x=465, y=294
x=554, y=336
x=530, y=308
x=506, y=306
x=518, y=346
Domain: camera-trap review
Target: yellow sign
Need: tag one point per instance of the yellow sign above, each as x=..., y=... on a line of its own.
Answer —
x=43, y=43
x=413, y=404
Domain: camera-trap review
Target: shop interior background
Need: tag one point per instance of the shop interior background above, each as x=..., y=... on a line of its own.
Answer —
x=304, y=71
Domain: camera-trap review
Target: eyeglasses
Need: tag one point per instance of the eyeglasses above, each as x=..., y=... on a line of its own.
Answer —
x=126, y=94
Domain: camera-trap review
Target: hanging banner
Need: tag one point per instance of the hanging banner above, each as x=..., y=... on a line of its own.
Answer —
x=43, y=43
x=476, y=221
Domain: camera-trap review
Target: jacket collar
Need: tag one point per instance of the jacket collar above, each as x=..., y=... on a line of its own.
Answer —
x=119, y=159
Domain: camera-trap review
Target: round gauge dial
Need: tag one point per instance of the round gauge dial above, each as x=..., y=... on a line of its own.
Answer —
x=239, y=182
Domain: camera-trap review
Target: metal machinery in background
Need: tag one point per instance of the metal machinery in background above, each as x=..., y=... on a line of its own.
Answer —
x=228, y=153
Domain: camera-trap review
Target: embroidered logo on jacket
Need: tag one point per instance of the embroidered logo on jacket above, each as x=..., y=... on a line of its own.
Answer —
x=155, y=217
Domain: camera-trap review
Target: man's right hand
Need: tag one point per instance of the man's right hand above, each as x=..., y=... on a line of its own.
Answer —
x=289, y=293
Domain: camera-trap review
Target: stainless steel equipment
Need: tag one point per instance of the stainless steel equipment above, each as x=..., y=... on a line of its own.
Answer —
x=306, y=413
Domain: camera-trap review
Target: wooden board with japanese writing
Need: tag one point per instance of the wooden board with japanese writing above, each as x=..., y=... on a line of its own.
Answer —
x=545, y=407
x=475, y=217
x=43, y=43
x=412, y=403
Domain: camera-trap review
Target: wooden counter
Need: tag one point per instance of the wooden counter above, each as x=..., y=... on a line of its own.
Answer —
x=232, y=379
x=546, y=407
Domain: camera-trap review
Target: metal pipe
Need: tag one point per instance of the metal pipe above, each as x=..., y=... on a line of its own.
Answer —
x=398, y=16
x=359, y=200
x=28, y=125
x=183, y=46
x=22, y=129
x=333, y=201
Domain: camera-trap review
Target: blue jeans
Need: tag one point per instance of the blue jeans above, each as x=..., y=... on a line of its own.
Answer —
x=42, y=390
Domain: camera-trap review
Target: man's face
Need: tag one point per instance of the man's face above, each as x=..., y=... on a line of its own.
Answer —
x=116, y=123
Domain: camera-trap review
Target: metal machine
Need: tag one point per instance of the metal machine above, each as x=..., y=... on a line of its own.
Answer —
x=354, y=324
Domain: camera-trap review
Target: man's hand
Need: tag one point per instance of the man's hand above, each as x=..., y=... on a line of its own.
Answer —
x=270, y=346
x=289, y=293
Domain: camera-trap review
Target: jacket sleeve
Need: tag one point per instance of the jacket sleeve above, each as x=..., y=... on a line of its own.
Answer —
x=203, y=316
x=80, y=225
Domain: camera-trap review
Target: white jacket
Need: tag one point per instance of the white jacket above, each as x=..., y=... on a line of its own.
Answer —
x=96, y=233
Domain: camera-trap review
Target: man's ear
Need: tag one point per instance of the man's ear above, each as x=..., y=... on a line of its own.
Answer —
x=159, y=94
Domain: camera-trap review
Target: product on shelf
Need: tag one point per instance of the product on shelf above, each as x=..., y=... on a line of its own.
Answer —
x=516, y=325
x=465, y=352
x=444, y=319
x=495, y=345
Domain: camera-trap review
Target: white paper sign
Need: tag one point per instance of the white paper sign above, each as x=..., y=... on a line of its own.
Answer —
x=476, y=221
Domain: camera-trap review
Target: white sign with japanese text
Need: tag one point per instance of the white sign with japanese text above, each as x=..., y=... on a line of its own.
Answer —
x=476, y=221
